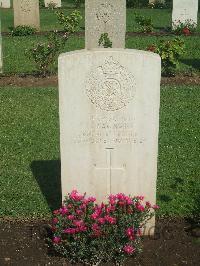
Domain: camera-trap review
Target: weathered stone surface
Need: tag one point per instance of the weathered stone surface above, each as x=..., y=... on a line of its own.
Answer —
x=56, y=2
x=5, y=3
x=184, y=10
x=109, y=121
x=26, y=12
x=105, y=16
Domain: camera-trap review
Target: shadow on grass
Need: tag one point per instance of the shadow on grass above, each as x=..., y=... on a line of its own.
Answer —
x=47, y=174
x=195, y=63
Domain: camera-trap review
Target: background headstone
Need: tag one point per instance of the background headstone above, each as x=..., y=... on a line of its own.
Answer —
x=5, y=3
x=56, y=2
x=184, y=10
x=105, y=16
x=110, y=143
x=26, y=12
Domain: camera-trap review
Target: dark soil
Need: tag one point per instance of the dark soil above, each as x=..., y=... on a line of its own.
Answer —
x=176, y=242
x=38, y=81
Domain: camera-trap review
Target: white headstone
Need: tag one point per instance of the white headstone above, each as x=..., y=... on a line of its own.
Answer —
x=105, y=16
x=184, y=10
x=57, y=3
x=26, y=12
x=5, y=3
x=109, y=121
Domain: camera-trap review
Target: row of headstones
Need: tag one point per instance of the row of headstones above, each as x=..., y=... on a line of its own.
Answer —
x=26, y=12
x=7, y=3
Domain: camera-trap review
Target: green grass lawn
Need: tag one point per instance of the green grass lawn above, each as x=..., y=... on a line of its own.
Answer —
x=29, y=166
x=15, y=60
x=161, y=18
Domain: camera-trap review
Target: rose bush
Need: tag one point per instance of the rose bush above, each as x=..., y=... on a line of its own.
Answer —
x=87, y=232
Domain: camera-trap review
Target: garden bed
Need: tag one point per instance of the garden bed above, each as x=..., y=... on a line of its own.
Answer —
x=176, y=242
x=28, y=80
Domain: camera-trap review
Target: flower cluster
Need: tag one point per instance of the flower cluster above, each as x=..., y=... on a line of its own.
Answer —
x=84, y=231
x=184, y=28
x=170, y=52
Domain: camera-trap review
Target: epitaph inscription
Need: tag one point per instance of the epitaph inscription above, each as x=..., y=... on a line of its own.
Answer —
x=110, y=86
x=108, y=129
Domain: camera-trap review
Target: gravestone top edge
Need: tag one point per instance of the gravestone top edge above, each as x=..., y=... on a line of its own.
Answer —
x=110, y=50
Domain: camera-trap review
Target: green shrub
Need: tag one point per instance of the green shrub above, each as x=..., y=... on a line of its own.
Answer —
x=170, y=52
x=22, y=30
x=105, y=41
x=70, y=23
x=45, y=54
x=145, y=23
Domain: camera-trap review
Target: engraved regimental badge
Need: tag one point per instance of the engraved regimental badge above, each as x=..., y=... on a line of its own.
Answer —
x=110, y=86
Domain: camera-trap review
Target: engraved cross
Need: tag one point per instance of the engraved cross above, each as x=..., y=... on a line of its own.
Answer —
x=109, y=169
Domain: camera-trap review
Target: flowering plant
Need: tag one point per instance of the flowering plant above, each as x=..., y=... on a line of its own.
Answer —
x=184, y=28
x=90, y=233
x=170, y=52
x=145, y=23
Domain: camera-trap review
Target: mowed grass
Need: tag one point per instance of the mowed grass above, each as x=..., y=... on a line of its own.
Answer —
x=161, y=18
x=29, y=166
x=17, y=61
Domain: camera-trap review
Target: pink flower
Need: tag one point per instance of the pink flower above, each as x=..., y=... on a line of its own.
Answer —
x=140, y=207
x=128, y=249
x=129, y=231
x=128, y=200
x=148, y=204
x=56, y=240
x=70, y=231
x=110, y=209
x=74, y=195
x=122, y=203
x=82, y=228
x=101, y=220
x=112, y=199
x=78, y=223
x=110, y=219
x=63, y=210
x=56, y=212
x=95, y=227
x=55, y=220
x=91, y=199
x=155, y=207
x=71, y=217
x=121, y=196
x=79, y=212
x=140, y=197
